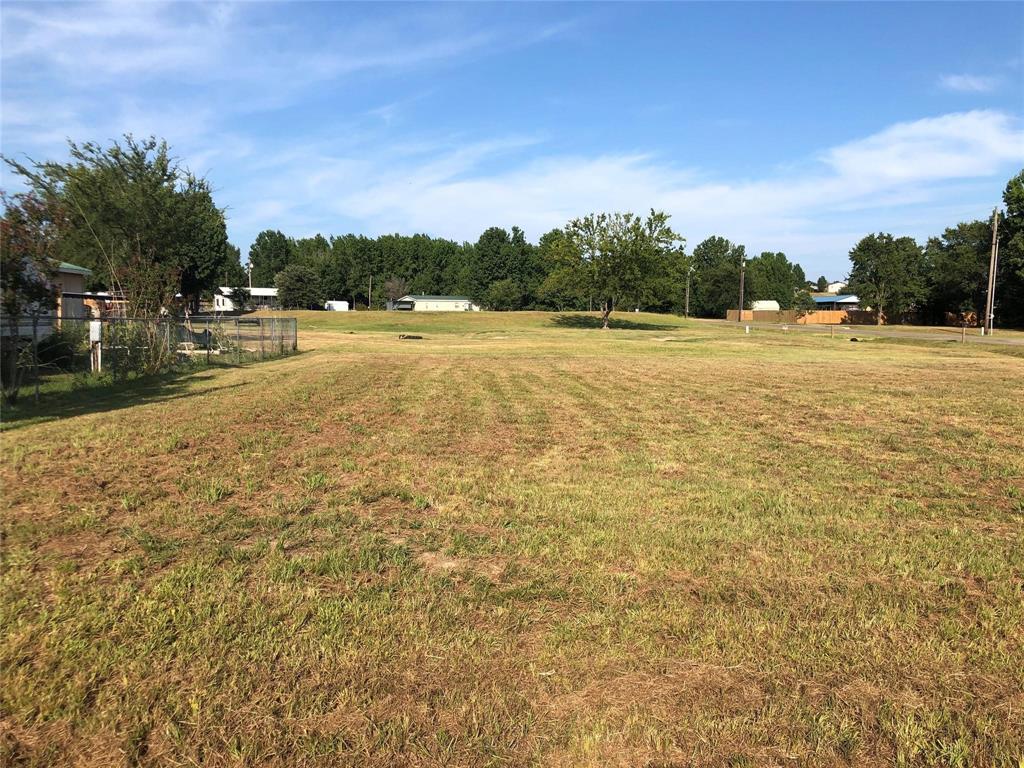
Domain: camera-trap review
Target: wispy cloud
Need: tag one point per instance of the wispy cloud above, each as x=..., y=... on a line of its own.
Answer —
x=969, y=83
x=812, y=212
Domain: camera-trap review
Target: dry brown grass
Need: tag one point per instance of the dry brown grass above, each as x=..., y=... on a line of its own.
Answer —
x=512, y=543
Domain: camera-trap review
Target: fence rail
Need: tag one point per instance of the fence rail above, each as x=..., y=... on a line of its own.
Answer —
x=127, y=346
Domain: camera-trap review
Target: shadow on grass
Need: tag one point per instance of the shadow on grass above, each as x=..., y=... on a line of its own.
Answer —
x=68, y=395
x=594, y=321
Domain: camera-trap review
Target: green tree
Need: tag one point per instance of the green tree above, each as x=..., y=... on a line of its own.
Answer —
x=1010, y=275
x=716, y=276
x=298, y=287
x=233, y=272
x=29, y=235
x=887, y=274
x=504, y=295
x=138, y=219
x=771, y=276
x=956, y=269
x=269, y=254
x=803, y=303
x=620, y=251
x=822, y=284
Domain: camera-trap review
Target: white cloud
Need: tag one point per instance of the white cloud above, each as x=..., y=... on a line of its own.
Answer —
x=968, y=83
x=809, y=213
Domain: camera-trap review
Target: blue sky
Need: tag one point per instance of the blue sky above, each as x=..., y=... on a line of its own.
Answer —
x=794, y=127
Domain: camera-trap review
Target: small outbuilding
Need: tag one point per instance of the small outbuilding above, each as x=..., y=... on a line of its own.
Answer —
x=765, y=305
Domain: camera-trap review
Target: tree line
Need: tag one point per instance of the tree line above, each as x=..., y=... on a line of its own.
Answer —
x=946, y=279
x=502, y=270
x=150, y=229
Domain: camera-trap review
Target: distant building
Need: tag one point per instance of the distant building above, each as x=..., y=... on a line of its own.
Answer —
x=259, y=298
x=765, y=305
x=336, y=306
x=838, y=302
x=420, y=303
x=836, y=287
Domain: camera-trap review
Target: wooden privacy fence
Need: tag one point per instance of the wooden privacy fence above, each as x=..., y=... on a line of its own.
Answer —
x=820, y=317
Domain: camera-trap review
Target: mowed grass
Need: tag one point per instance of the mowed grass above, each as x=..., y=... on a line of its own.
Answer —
x=521, y=540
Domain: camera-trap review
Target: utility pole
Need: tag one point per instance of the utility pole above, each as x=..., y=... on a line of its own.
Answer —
x=686, y=311
x=248, y=269
x=993, y=265
x=743, y=273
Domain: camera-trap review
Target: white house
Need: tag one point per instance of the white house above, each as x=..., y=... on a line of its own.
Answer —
x=259, y=298
x=420, y=303
x=765, y=305
x=836, y=287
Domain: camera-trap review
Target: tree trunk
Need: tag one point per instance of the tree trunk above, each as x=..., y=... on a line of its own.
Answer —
x=606, y=311
x=878, y=315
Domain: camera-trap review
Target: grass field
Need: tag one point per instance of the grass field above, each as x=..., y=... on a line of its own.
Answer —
x=521, y=540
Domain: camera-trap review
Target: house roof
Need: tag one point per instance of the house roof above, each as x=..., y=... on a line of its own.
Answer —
x=844, y=298
x=226, y=291
x=73, y=269
x=424, y=297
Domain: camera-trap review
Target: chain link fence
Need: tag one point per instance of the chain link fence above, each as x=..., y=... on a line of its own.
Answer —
x=125, y=347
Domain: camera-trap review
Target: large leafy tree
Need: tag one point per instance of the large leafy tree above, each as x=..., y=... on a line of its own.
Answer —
x=1010, y=276
x=30, y=232
x=716, y=277
x=772, y=276
x=270, y=253
x=141, y=221
x=620, y=252
x=298, y=287
x=956, y=268
x=887, y=274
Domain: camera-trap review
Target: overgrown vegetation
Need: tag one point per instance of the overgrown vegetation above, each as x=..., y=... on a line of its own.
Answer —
x=522, y=540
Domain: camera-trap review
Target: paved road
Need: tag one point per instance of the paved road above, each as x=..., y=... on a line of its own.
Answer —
x=973, y=335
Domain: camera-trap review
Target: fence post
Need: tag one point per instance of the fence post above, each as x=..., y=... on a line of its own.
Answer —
x=238, y=344
x=35, y=352
x=261, y=337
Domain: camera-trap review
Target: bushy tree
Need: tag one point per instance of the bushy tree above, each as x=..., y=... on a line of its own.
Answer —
x=30, y=232
x=142, y=222
x=887, y=274
x=772, y=276
x=298, y=287
x=716, y=278
x=1010, y=276
x=619, y=252
x=504, y=295
x=270, y=253
x=822, y=284
x=956, y=269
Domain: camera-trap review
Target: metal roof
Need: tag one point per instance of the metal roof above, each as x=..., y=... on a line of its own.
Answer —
x=423, y=297
x=845, y=298
x=73, y=269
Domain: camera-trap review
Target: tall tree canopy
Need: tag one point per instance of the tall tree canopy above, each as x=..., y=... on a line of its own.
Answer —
x=620, y=253
x=270, y=253
x=956, y=271
x=772, y=276
x=1010, y=277
x=138, y=219
x=887, y=274
x=716, y=277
